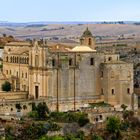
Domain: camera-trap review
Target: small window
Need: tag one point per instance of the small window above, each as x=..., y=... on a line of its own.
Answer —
x=110, y=58
x=102, y=92
x=89, y=42
x=7, y=59
x=70, y=62
x=27, y=60
x=128, y=90
x=26, y=75
x=6, y=71
x=112, y=91
x=101, y=117
x=91, y=61
x=53, y=62
x=129, y=74
x=22, y=75
x=36, y=61
x=112, y=74
x=17, y=73
x=102, y=74
x=10, y=72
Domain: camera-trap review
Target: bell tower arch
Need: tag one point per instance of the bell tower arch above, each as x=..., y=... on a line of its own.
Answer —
x=87, y=39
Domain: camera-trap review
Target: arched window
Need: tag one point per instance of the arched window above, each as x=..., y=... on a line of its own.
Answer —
x=89, y=42
x=91, y=61
x=112, y=74
x=53, y=62
x=17, y=60
x=70, y=61
x=113, y=91
x=23, y=60
x=11, y=60
x=128, y=90
x=110, y=58
x=36, y=61
x=128, y=74
x=7, y=59
x=102, y=91
x=102, y=74
x=20, y=60
x=27, y=60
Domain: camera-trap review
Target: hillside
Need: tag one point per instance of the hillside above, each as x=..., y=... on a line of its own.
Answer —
x=69, y=30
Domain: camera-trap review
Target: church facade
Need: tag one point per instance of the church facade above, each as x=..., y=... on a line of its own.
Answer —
x=69, y=77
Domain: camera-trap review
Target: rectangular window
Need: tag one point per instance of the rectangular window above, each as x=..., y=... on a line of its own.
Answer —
x=26, y=75
x=22, y=75
x=70, y=62
x=36, y=61
x=102, y=74
x=17, y=73
x=128, y=90
x=53, y=62
x=91, y=61
x=102, y=92
x=113, y=91
x=110, y=58
x=10, y=71
x=6, y=71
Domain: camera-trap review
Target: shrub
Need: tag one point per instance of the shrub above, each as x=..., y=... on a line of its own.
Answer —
x=33, y=114
x=42, y=109
x=69, y=117
x=34, y=131
x=83, y=120
x=96, y=137
x=39, y=111
x=52, y=138
x=33, y=106
x=53, y=126
x=6, y=86
x=123, y=106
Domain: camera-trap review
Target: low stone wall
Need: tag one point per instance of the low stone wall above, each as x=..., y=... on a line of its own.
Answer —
x=13, y=95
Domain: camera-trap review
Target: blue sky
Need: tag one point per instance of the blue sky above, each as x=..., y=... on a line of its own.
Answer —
x=69, y=10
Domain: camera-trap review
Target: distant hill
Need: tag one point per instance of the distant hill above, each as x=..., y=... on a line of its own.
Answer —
x=42, y=23
x=69, y=29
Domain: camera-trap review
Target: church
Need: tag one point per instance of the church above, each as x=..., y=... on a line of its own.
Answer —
x=70, y=77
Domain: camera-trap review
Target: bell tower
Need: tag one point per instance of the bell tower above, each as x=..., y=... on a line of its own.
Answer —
x=87, y=39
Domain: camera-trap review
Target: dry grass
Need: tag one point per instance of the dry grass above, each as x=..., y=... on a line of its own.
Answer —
x=71, y=30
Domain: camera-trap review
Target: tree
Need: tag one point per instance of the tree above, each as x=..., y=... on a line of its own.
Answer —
x=42, y=109
x=6, y=86
x=83, y=120
x=113, y=126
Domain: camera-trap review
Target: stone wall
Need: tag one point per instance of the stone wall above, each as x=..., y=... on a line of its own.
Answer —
x=4, y=96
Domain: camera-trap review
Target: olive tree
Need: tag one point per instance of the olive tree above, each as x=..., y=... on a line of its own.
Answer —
x=6, y=86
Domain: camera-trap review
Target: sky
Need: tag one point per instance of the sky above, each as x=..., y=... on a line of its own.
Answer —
x=69, y=10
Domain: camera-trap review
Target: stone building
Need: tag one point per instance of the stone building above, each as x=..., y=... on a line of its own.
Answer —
x=69, y=77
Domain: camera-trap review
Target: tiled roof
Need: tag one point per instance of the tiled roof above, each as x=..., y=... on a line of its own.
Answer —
x=59, y=48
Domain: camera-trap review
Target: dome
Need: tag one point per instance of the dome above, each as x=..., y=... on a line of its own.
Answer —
x=82, y=49
x=87, y=33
